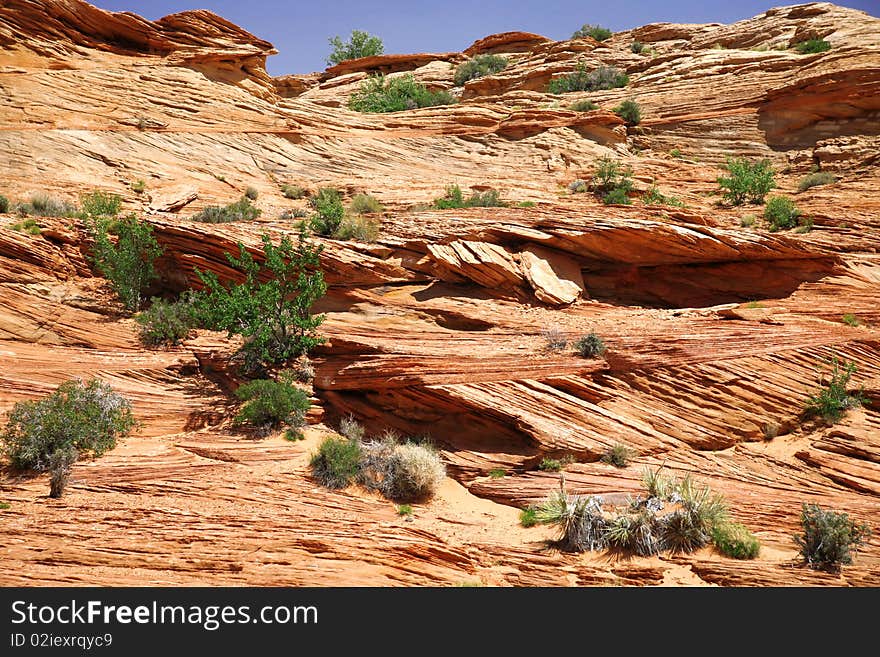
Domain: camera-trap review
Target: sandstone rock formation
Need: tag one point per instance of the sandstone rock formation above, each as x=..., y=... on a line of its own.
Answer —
x=716, y=331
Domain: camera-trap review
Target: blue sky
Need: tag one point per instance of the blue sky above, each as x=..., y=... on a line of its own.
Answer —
x=300, y=30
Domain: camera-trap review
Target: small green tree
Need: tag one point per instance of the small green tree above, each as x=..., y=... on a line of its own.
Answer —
x=748, y=180
x=127, y=262
x=269, y=404
x=360, y=44
x=272, y=307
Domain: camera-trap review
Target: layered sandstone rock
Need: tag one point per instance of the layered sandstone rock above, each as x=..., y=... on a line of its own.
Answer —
x=715, y=333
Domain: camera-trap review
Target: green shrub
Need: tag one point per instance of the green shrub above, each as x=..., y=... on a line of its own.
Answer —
x=603, y=77
x=597, y=32
x=270, y=404
x=4, y=204
x=640, y=533
x=138, y=186
x=379, y=94
x=240, y=210
x=590, y=346
x=497, y=473
x=734, y=540
x=252, y=193
x=637, y=47
x=87, y=417
x=165, y=322
x=629, y=111
x=812, y=46
x=364, y=204
x=329, y=209
x=293, y=213
x=404, y=510
x=360, y=44
x=851, y=320
x=351, y=429
x=611, y=175
x=748, y=221
x=548, y=464
x=781, y=212
x=454, y=199
x=271, y=309
x=127, y=263
x=361, y=229
x=690, y=527
x=43, y=205
x=478, y=67
x=618, y=455
x=832, y=400
x=28, y=226
x=528, y=517
x=293, y=191
x=676, y=153
x=583, y=106
x=100, y=204
x=748, y=180
x=617, y=196
x=654, y=197
x=815, y=179
x=578, y=186
x=525, y=204
x=829, y=538
x=335, y=464
x=582, y=525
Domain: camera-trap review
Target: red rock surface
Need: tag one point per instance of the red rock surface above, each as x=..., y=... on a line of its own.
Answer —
x=715, y=332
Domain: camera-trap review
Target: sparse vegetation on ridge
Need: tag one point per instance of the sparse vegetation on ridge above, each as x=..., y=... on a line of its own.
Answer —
x=629, y=111
x=240, y=210
x=454, y=199
x=748, y=180
x=379, y=94
x=166, y=322
x=597, y=32
x=477, y=67
x=833, y=399
x=815, y=179
x=272, y=403
x=612, y=182
x=359, y=44
x=590, y=346
x=781, y=213
x=811, y=46
x=829, y=538
x=603, y=77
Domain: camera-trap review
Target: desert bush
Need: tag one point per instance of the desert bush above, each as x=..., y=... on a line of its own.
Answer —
x=379, y=94
x=240, y=210
x=640, y=533
x=690, y=527
x=361, y=229
x=415, y=472
x=336, y=463
x=293, y=213
x=617, y=196
x=629, y=111
x=781, y=212
x=851, y=320
x=351, y=428
x=748, y=180
x=271, y=309
x=603, y=77
x=554, y=338
x=251, y=193
x=293, y=191
x=654, y=197
x=365, y=204
x=359, y=44
x=528, y=517
x=833, y=400
x=815, y=179
x=829, y=538
x=329, y=211
x=270, y=404
x=609, y=176
x=86, y=417
x=497, y=473
x=404, y=510
x=637, y=47
x=128, y=262
x=812, y=46
x=478, y=67
x=734, y=540
x=4, y=204
x=748, y=221
x=166, y=322
x=28, y=226
x=656, y=484
x=618, y=455
x=582, y=525
x=303, y=370
x=597, y=32
x=584, y=105
x=590, y=346
x=138, y=186
x=454, y=199
x=100, y=204
x=43, y=205
x=676, y=153
x=578, y=186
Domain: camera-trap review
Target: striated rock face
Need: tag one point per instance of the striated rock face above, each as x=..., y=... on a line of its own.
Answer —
x=717, y=330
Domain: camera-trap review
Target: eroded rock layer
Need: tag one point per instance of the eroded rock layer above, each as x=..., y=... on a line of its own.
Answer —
x=717, y=329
